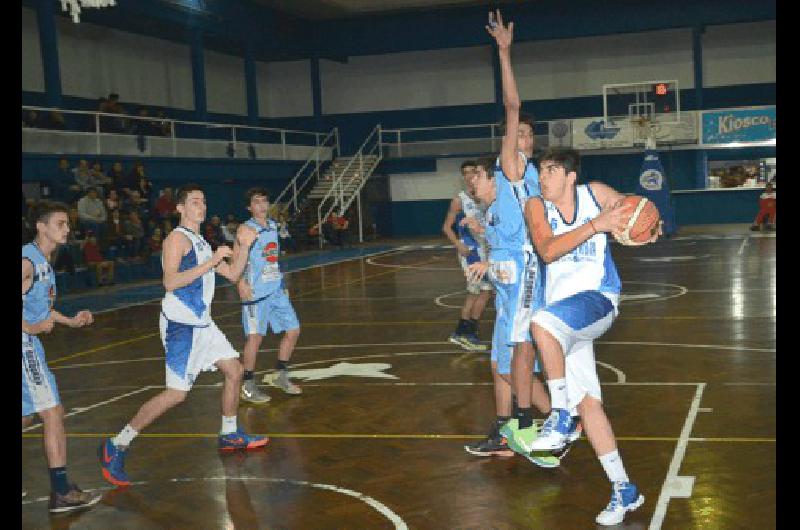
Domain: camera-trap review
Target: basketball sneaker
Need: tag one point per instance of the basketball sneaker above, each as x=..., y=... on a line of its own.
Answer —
x=555, y=431
x=521, y=439
x=280, y=379
x=472, y=343
x=240, y=440
x=74, y=499
x=544, y=459
x=250, y=393
x=112, y=463
x=459, y=340
x=625, y=497
x=573, y=436
x=494, y=445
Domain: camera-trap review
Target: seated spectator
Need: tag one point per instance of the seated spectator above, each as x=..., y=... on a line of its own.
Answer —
x=767, y=209
x=133, y=231
x=145, y=189
x=55, y=121
x=165, y=205
x=92, y=212
x=229, y=232
x=109, y=123
x=77, y=232
x=117, y=176
x=112, y=201
x=114, y=240
x=286, y=239
x=95, y=260
x=340, y=225
x=82, y=175
x=99, y=178
x=60, y=187
x=213, y=233
x=154, y=242
x=32, y=120
x=131, y=182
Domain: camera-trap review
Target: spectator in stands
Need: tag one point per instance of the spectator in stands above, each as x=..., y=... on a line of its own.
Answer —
x=213, y=233
x=86, y=178
x=32, y=119
x=166, y=227
x=110, y=123
x=133, y=231
x=117, y=176
x=767, y=209
x=77, y=232
x=55, y=121
x=154, y=242
x=286, y=239
x=92, y=212
x=131, y=182
x=165, y=126
x=112, y=201
x=100, y=179
x=165, y=205
x=95, y=260
x=340, y=225
x=61, y=184
x=145, y=189
x=114, y=241
x=229, y=232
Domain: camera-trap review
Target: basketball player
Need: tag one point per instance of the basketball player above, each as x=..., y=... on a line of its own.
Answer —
x=265, y=302
x=512, y=264
x=192, y=340
x=39, y=391
x=568, y=225
x=471, y=248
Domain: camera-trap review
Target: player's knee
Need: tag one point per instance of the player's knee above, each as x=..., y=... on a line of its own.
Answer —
x=176, y=397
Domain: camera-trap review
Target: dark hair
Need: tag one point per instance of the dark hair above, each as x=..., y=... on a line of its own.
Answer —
x=487, y=163
x=467, y=163
x=252, y=192
x=46, y=210
x=185, y=190
x=524, y=117
x=569, y=158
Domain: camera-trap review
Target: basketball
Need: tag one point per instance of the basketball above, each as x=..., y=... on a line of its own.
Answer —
x=643, y=223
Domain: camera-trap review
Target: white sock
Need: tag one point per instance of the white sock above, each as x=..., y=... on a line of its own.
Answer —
x=228, y=425
x=558, y=393
x=125, y=437
x=612, y=464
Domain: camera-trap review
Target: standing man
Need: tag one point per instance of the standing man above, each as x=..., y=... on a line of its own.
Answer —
x=471, y=248
x=265, y=301
x=192, y=340
x=39, y=391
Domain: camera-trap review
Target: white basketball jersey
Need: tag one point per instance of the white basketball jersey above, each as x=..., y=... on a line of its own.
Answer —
x=589, y=267
x=473, y=208
x=190, y=304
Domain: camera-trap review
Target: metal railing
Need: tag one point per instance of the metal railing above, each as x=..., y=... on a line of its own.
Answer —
x=85, y=132
x=312, y=170
x=362, y=164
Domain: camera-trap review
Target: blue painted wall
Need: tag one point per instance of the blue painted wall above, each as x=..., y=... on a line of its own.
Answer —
x=716, y=207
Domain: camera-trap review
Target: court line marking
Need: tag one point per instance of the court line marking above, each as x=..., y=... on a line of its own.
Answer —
x=416, y=267
x=744, y=243
x=677, y=458
x=381, y=508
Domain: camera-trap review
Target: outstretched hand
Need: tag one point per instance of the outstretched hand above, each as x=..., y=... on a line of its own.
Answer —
x=502, y=34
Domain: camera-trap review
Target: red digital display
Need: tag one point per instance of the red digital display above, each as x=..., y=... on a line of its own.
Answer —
x=661, y=89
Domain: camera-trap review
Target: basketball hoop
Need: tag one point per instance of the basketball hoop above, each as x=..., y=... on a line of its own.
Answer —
x=74, y=6
x=645, y=130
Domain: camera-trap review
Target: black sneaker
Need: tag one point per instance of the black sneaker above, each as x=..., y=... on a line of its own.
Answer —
x=75, y=499
x=494, y=445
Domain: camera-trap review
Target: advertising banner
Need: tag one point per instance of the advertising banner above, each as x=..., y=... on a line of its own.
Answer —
x=594, y=133
x=742, y=125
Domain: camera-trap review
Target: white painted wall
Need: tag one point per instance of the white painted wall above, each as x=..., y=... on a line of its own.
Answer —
x=96, y=60
x=32, y=73
x=225, y=83
x=408, y=80
x=579, y=67
x=444, y=183
x=284, y=89
x=738, y=54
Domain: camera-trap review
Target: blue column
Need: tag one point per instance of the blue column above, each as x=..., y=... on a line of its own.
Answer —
x=251, y=83
x=198, y=75
x=48, y=43
x=498, y=85
x=316, y=92
x=697, y=58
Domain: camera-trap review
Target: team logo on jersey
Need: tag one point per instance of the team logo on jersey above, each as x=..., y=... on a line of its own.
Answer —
x=271, y=252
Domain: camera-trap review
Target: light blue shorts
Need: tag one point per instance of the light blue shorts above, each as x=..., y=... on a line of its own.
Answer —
x=274, y=312
x=39, y=390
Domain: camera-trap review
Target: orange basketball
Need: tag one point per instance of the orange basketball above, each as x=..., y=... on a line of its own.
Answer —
x=643, y=224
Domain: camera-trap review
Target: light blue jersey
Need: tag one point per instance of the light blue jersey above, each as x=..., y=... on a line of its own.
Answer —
x=505, y=218
x=263, y=272
x=39, y=391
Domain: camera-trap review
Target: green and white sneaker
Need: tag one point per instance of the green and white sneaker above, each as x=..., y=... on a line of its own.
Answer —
x=544, y=459
x=521, y=439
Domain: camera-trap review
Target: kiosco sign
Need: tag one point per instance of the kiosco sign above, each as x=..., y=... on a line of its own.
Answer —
x=744, y=125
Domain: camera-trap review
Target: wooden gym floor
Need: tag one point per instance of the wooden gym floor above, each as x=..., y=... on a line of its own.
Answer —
x=376, y=440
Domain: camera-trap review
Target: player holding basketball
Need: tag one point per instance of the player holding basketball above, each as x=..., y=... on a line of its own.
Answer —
x=471, y=248
x=192, y=340
x=512, y=264
x=265, y=302
x=39, y=391
x=568, y=225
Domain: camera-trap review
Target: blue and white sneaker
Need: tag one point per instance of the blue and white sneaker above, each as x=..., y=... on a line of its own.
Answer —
x=573, y=436
x=112, y=463
x=625, y=497
x=240, y=440
x=555, y=432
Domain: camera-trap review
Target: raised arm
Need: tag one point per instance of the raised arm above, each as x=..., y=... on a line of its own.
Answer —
x=245, y=236
x=509, y=157
x=175, y=247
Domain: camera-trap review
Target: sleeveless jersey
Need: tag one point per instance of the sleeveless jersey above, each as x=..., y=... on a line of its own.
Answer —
x=38, y=301
x=476, y=242
x=190, y=304
x=263, y=272
x=589, y=267
x=505, y=218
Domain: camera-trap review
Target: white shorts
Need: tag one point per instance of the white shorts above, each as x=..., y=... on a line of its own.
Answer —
x=475, y=287
x=191, y=350
x=575, y=322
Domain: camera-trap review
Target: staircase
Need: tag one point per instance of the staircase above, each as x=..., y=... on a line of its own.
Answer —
x=352, y=172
